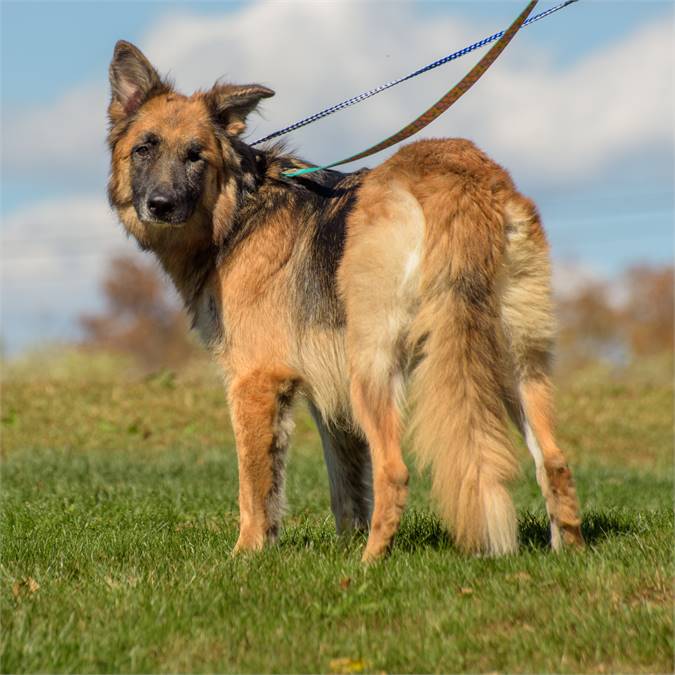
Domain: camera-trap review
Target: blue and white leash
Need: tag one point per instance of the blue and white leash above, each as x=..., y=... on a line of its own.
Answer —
x=371, y=92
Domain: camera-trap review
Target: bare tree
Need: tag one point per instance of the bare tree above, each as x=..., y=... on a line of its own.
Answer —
x=141, y=317
x=630, y=318
x=648, y=312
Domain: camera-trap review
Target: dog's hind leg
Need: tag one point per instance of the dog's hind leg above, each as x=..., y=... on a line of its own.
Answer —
x=553, y=473
x=349, y=474
x=260, y=407
x=376, y=410
x=378, y=281
x=529, y=326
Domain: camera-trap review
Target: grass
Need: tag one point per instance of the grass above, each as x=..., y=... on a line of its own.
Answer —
x=119, y=514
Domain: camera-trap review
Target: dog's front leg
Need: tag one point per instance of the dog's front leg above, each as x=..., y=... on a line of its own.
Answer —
x=260, y=407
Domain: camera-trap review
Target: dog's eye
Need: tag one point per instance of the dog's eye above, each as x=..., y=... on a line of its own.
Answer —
x=142, y=150
x=194, y=155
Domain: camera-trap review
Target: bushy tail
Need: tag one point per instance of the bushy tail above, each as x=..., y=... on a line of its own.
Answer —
x=458, y=420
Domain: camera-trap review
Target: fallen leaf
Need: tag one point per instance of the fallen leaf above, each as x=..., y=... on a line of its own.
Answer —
x=519, y=576
x=25, y=586
x=345, y=583
x=345, y=665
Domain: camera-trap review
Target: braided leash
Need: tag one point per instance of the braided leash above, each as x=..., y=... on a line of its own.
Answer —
x=439, y=107
x=387, y=85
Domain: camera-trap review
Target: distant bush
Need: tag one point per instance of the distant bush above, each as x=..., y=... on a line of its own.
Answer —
x=141, y=318
x=618, y=321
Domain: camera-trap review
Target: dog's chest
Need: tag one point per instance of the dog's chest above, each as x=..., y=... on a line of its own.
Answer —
x=208, y=320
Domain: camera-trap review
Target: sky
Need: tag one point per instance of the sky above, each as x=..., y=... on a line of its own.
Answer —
x=579, y=109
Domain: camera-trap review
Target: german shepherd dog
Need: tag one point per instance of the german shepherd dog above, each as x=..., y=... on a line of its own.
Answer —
x=425, y=278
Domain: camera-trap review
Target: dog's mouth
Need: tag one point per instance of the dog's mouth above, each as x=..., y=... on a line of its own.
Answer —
x=166, y=224
x=164, y=214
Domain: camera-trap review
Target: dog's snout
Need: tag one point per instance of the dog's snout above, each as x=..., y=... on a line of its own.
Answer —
x=161, y=204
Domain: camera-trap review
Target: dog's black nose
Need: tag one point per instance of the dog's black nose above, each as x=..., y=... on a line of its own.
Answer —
x=160, y=204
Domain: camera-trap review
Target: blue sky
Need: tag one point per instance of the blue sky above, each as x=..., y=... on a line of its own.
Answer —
x=579, y=109
x=59, y=44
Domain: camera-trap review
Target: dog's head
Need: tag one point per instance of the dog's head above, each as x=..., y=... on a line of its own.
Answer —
x=173, y=161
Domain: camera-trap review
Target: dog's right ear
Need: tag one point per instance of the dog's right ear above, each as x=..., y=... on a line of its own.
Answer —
x=133, y=81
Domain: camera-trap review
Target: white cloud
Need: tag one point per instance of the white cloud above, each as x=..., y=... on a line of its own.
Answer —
x=64, y=140
x=573, y=123
x=538, y=119
x=54, y=255
x=59, y=238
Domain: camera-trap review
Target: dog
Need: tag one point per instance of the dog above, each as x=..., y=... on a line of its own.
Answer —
x=422, y=283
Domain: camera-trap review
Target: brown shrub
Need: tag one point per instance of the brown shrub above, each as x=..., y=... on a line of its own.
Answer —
x=619, y=321
x=142, y=317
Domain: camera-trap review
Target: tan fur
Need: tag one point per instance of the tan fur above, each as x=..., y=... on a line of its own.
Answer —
x=530, y=328
x=555, y=479
x=261, y=439
x=458, y=416
x=323, y=362
x=379, y=279
x=444, y=282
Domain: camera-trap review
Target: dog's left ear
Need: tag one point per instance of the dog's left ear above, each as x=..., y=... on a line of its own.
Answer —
x=230, y=104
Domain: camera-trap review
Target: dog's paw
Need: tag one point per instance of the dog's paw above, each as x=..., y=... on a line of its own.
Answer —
x=248, y=543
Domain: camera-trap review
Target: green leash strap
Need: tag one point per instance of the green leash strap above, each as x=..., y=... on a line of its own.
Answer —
x=439, y=107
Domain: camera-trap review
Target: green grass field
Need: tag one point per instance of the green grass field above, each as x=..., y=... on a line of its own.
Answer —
x=119, y=514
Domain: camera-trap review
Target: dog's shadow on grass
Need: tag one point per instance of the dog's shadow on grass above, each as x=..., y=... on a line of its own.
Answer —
x=535, y=532
x=423, y=530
